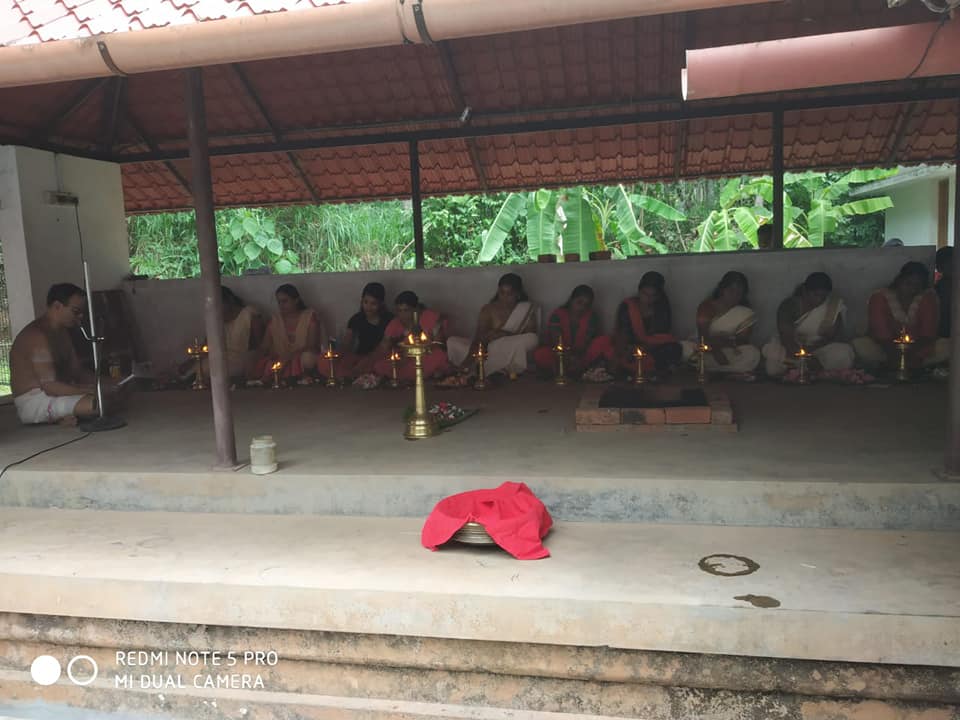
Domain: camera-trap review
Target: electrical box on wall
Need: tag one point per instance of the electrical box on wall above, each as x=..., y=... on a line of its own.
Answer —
x=54, y=197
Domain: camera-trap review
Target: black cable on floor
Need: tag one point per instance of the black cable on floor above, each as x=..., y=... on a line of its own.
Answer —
x=41, y=452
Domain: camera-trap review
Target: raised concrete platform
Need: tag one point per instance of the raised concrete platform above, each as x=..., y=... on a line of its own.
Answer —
x=821, y=456
x=856, y=596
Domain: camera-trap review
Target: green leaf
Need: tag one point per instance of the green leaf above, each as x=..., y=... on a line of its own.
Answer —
x=269, y=226
x=275, y=246
x=261, y=239
x=865, y=207
x=283, y=266
x=856, y=177
x=251, y=250
x=541, y=224
x=661, y=209
x=502, y=224
x=747, y=221
x=250, y=226
x=236, y=229
x=729, y=193
x=579, y=233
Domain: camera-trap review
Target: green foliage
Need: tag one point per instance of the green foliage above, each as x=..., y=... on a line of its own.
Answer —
x=513, y=228
x=247, y=239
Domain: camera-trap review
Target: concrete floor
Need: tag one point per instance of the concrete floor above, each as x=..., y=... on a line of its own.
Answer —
x=843, y=457
x=860, y=596
x=526, y=429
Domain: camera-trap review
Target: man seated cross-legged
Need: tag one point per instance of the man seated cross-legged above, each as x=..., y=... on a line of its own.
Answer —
x=49, y=385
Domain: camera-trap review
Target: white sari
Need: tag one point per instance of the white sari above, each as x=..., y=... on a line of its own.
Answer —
x=811, y=328
x=507, y=354
x=740, y=359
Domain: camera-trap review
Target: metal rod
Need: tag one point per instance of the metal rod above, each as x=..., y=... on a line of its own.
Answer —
x=210, y=270
x=417, y=204
x=777, y=143
x=93, y=337
x=953, y=420
x=689, y=111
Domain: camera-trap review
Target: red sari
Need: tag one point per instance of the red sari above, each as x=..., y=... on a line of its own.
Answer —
x=576, y=337
x=660, y=347
x=887, y=318
x=434, y=363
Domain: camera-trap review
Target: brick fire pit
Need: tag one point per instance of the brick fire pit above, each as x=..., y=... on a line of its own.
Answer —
x=654, y=408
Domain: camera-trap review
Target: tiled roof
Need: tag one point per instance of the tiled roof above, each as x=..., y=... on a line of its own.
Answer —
x=586, y=71
x=32, y=21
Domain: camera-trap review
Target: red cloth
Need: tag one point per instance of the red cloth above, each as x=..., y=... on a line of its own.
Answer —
x=511, y=514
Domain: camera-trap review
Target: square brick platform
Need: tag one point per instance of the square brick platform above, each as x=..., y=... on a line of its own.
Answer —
x=654, y=408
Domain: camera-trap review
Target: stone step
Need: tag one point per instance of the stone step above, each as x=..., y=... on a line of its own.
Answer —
x=707, y=499
x=839, y=595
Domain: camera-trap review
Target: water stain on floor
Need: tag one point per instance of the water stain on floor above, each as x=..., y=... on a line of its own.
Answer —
x=760, y=601
x=725, y=565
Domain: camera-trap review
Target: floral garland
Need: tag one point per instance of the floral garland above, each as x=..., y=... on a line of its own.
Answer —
x=369, y=381
x=446, y=412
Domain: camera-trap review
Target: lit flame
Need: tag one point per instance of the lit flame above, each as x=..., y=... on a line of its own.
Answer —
x=639, y=352
x=394, y=356
x=423, y=337
x=802, y=353
x=906, y=338
x=189, y=350
x=560, y=347
x=204, y=349
x=276, y=366
x=411, y=340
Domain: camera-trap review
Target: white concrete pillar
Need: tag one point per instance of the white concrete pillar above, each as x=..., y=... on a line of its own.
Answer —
x=41, y=240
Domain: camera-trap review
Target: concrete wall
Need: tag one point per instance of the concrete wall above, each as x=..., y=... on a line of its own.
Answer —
x=13, y=239
x=915, y=212
x=41, y=241
x=169, y=312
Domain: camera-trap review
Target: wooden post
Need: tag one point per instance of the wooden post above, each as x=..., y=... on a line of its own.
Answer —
x=776, y=242
x=202, y=186
x=953, y=418
x=417, y=204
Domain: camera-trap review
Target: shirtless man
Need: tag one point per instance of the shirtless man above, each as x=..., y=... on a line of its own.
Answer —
x=49, y=384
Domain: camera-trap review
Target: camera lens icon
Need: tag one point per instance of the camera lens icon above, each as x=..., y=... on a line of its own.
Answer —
x=46, y=670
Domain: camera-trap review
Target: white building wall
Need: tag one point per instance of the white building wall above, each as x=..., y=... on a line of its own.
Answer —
x=170, y=312
x=41, y=241
x=916, y=210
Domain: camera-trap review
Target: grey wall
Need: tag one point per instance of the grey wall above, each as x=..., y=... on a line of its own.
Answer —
x=169, y=312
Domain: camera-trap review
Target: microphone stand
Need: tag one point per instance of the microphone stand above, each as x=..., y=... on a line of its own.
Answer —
x=103, y=422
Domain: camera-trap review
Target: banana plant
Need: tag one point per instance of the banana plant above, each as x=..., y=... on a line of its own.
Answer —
x=585, y=220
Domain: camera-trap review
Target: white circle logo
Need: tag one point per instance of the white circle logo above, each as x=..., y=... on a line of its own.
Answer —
x=45, y=670
x=93, y=673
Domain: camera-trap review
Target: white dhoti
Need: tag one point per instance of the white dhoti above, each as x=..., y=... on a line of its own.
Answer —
x=871, y=354
x=812, y=328
x=506, y=354
x=833, y=356
x=35, y=406
x=741, y=359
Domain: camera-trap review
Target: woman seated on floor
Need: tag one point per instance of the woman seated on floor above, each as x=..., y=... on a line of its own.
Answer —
x=507, y=328
x=243, y=332
x=365, y=331
x=413, y=318
x=908, y=305
x=811, y=318
x=641, y=321
x=293, y=338
x=726, y=321
x=576, y=323
x=243, y=329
